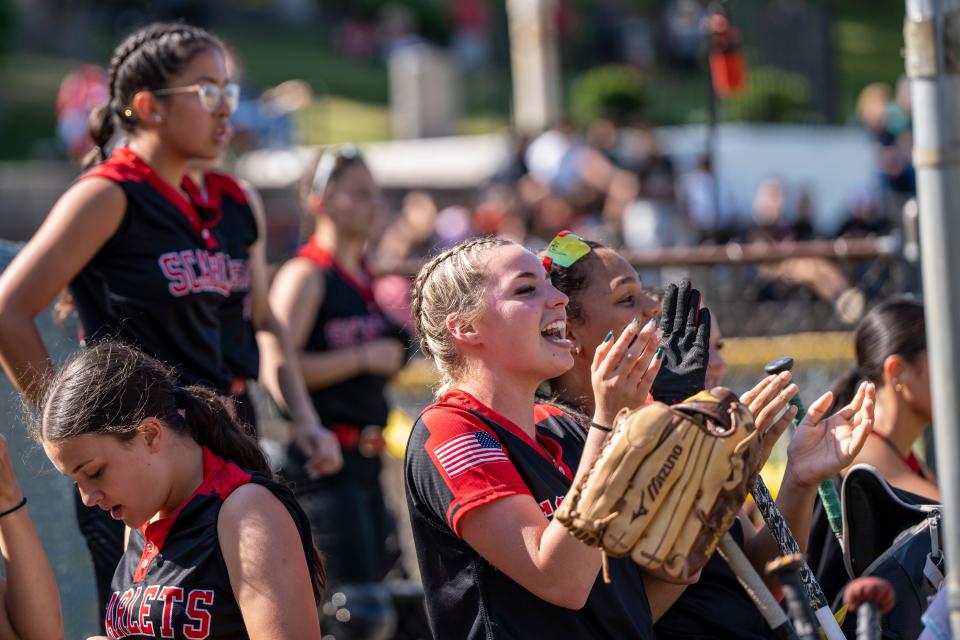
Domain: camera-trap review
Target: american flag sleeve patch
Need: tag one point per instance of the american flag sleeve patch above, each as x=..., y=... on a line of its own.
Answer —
x=467, y=451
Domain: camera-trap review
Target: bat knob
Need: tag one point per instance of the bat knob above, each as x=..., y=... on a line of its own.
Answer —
x=870, y=589
x=779, y=365
x=784, y=565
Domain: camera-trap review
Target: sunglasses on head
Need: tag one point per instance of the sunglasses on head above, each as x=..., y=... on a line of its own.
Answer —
x=330, y=164
x=564, y=250
x=210, y=94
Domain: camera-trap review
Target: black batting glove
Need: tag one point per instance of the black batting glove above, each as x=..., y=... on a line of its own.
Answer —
x=686, y=344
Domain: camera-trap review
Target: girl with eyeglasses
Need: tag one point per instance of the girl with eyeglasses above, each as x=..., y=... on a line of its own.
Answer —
x=348, y=348
x=143, y=263
x=246, y=321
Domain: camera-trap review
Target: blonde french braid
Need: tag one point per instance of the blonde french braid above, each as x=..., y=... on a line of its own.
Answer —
x=451, y=282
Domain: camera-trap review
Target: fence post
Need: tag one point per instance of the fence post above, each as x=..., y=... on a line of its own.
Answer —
x=535, y=64
x=932, y=45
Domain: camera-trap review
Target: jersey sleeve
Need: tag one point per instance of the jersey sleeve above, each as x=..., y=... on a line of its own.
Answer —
x=456, y=464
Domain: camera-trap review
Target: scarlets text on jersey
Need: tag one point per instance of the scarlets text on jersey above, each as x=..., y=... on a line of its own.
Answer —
x=131, y=613
x=202, y=271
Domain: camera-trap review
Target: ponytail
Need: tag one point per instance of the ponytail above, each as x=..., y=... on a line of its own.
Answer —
x=110, y=388
x=211, y=425
x=101, y=127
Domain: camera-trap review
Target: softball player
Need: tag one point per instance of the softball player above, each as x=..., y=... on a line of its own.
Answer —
x=208, y=527
x=143, y=264
x=486, y=468
x=348, y=348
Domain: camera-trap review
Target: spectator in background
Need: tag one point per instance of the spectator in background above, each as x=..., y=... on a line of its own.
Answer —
x=804, y=228
x=888, y=122
x=357, y=36
x=775, y=220
x=546, y=151
x=683, y=20
x=412, y=234
x=453, y=226
x=654, y=220
x=863, y=216
x=81, y=91
x=471, y=32
x=708, y=204
x=398, y=28
x=265, y=119
x=499, y=213
x=769, y=213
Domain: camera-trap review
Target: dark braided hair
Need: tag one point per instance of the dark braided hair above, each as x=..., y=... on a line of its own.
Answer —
x=893, y=327
x=110, y=388
x=145, y=60
x=573, y=279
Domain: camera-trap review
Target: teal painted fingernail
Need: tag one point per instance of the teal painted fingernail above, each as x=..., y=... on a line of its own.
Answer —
x=659, y=353
x=607, y=337
x=635, y=321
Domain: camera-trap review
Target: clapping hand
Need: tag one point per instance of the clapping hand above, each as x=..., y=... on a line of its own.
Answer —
x=822, y=447
x=623, y=370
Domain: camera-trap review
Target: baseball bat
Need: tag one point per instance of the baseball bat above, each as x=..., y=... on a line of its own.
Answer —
x=754, y=586
x=787, y=570
x=870, y=597
x=828, y=492
x=788, y=546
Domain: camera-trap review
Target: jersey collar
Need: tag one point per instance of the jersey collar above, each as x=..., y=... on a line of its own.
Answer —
x=139, y=169
x=220, y=478
x=548, y=448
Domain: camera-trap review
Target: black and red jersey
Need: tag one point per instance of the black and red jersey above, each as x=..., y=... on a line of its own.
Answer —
x=172, y=581
x=159, y=281
x=462, y=455
x=348, y=316
x=237, y=231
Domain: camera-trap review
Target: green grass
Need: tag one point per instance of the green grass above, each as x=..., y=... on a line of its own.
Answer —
x=269, y=58
x=866, y=53
x=336, y=120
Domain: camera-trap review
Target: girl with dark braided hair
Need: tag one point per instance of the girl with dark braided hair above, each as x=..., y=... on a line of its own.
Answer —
x=208, y=526
x=144, y=265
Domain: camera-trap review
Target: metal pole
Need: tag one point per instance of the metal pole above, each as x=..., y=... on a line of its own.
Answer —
x=711, y=143
x=534, y=63
x=932, y=46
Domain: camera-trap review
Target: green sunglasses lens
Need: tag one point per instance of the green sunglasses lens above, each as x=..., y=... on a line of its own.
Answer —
x=566, y=249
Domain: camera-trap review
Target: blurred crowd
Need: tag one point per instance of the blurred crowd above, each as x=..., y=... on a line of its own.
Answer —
x=621, y=187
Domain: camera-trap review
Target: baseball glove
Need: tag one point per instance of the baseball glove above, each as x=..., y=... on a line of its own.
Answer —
x=668, y=482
